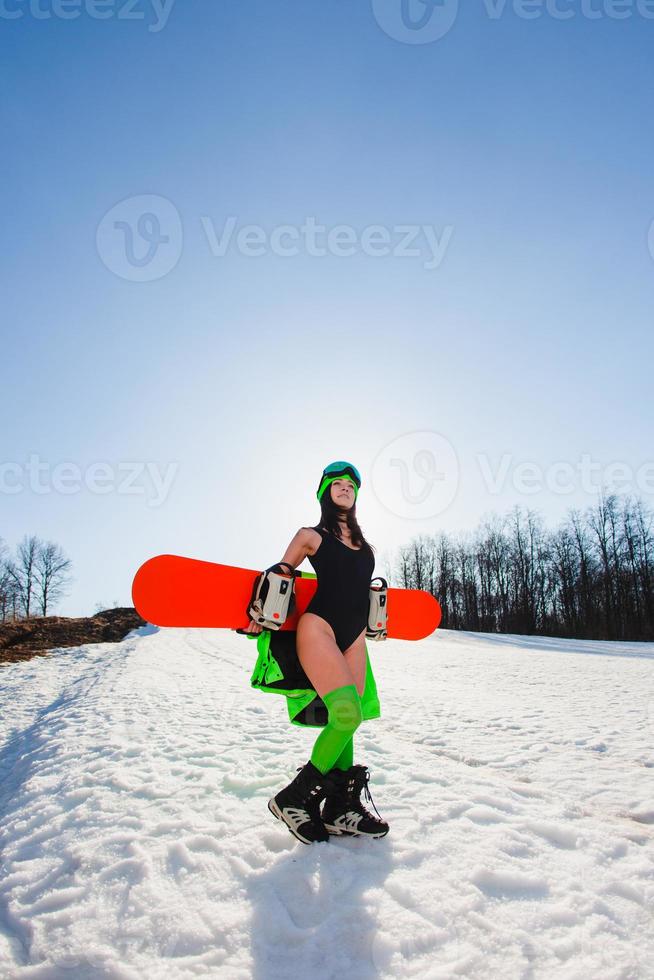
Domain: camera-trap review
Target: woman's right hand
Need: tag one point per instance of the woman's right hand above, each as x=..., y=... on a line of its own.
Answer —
x=254, y=627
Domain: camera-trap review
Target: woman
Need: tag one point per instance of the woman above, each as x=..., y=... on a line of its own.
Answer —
x=331, y=648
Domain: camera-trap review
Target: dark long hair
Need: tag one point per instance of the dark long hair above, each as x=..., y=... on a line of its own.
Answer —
x=330, y=513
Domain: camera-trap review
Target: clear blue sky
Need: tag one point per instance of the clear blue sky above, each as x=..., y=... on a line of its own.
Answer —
x=525, y=145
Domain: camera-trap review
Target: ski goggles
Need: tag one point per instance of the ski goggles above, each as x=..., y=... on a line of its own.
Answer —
x=337, y=471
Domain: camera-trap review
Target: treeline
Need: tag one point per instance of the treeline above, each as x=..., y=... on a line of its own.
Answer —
x=33, y=579
x=591, y=578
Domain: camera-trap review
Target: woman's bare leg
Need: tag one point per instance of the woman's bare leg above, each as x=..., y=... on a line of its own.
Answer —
x=321, y=660
x=355, y=658
x=327, y=669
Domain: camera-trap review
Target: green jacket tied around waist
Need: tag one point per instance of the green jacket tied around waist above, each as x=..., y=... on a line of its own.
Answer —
x=278, y=670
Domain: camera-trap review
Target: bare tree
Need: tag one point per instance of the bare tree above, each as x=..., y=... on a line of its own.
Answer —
x=36, y=577
x=445, y=575
x=593, y=577
x=419, y=563
x=51, y=575
x=465, y=565
x=565, y=568
x=588, y=575
x=22, y=571
x=526, y=541
x=644, y=524
x=6, y=583
x=602, y=521
x=495, y=548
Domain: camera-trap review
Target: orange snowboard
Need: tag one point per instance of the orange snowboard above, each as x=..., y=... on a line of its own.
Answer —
x=169, y=590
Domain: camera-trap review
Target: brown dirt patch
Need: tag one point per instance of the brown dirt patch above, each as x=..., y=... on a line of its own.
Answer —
x=36, y=636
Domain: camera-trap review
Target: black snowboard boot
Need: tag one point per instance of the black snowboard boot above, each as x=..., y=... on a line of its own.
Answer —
x=344, y=813
x=298, y=805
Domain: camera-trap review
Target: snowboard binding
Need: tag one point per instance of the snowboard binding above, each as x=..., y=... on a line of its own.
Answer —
x=273, y=597
x=377, y=610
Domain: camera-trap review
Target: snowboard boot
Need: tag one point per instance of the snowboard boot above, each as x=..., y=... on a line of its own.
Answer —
x=298, y=805
x=344, y=813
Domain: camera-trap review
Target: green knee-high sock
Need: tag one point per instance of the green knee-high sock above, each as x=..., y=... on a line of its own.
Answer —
x=343, y=718
x=346, y=758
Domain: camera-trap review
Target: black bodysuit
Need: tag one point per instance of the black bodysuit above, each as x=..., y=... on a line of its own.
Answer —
x=343, y=592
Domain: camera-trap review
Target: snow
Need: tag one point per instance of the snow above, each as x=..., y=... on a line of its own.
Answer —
x=516, y=774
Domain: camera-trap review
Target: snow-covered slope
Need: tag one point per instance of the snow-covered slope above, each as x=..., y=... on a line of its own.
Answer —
x=516, y=774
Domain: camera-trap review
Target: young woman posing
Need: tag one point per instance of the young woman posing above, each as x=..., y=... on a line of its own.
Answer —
x=331, y=648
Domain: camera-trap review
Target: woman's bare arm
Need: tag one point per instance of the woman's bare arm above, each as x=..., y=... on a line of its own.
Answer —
x=300, y=546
